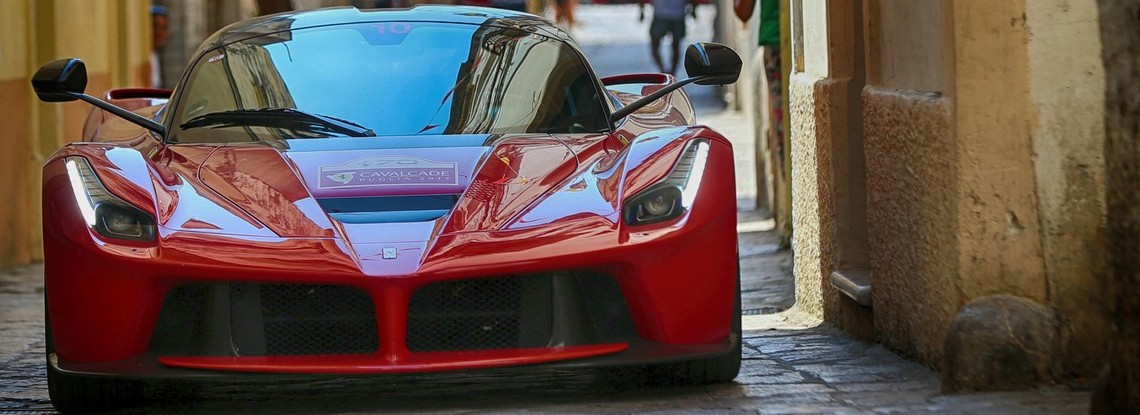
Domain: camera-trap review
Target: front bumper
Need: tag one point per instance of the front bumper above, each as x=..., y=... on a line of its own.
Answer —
x=112, y=319
x=674, y=283
x=640, y=352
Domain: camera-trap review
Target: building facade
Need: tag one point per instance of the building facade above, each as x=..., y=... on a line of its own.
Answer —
x=948, y=169
x=113, y=39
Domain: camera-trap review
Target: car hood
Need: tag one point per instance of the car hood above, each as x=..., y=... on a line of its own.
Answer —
x=285, y=185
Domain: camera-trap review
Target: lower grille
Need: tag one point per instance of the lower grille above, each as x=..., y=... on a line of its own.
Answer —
x=241, y=319
x=467, y=315
x=317, y=319
x=520, y=311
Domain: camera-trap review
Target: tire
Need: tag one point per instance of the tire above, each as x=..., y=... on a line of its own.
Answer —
x=79, y=394
x=706, y=371
x=82, y=394
x=716, y=369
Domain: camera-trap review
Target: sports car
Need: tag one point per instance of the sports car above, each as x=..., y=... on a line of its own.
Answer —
x=349, y=192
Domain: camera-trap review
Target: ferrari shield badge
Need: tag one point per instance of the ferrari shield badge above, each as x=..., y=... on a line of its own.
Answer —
x=380, y=171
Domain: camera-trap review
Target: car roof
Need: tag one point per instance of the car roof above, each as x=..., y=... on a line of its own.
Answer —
x=273, y=23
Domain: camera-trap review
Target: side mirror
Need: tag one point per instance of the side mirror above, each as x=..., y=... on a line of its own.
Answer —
x=713, y=63
x=706, y=63
x=60, y=81
x=65, y=80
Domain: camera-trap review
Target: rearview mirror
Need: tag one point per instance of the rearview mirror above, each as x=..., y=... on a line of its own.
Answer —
x=706, y=63
x=712, y=63
x=60, y=81
x=66, y=79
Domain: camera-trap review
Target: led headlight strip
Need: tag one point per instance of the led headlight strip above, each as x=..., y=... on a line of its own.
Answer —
x=104, y=212
x=675, y=194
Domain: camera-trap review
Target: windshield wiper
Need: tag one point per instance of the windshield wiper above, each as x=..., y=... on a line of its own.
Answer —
x=287, y=118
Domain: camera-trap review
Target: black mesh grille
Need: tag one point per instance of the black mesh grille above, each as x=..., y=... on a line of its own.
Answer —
x=466, y=315
x=317, y=319
x=521, y=311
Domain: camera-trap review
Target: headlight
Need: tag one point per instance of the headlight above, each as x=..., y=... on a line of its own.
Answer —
x=654, y=205
x=107, y=214
x=674, y=195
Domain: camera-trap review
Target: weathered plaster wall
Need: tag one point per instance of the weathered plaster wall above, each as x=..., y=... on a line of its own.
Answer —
x=999, y=237
x=814, y=38
x=904, y=38
x=1066, y=79
x=912, y=211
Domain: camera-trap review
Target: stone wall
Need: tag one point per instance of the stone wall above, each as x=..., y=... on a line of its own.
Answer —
x=911, y=219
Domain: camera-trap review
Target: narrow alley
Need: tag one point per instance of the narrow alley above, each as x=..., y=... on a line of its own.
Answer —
x=793, y=363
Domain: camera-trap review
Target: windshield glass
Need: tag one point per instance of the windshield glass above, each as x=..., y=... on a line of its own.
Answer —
x=391, y=78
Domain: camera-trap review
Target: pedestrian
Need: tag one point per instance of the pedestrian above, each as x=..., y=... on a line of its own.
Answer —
x=564, y=13
x=160, y=32
x=668, y=18
x=773, y=68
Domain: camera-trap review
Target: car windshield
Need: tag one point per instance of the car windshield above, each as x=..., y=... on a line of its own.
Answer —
x=387, y=79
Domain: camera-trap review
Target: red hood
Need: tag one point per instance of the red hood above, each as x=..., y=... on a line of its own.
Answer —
x=281, y=187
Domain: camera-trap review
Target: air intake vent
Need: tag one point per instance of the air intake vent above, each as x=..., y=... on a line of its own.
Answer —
x=467, y=315
x=317, y=319
x=244, y=319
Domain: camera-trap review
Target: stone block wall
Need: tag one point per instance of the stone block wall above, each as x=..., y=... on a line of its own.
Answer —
x=911, y=219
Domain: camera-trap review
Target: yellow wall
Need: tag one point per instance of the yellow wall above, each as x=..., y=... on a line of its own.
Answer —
x=1000, y=240
x=906, y=40
x=20, y=244
x=1067, y=88
x=112, y=37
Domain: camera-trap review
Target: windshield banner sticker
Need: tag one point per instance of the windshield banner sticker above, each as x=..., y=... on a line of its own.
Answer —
x=379, y=171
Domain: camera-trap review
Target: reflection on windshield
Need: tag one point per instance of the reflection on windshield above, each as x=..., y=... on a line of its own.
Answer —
x=396, y=79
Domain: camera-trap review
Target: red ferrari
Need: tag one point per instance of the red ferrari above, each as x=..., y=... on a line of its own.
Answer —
x=346, y=192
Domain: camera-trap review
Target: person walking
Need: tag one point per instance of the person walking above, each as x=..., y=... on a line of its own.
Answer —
x=564, y=13
x=160, y=32
x=668, y=18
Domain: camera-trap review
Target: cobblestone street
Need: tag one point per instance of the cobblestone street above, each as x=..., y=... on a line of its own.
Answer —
x=793, y=363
